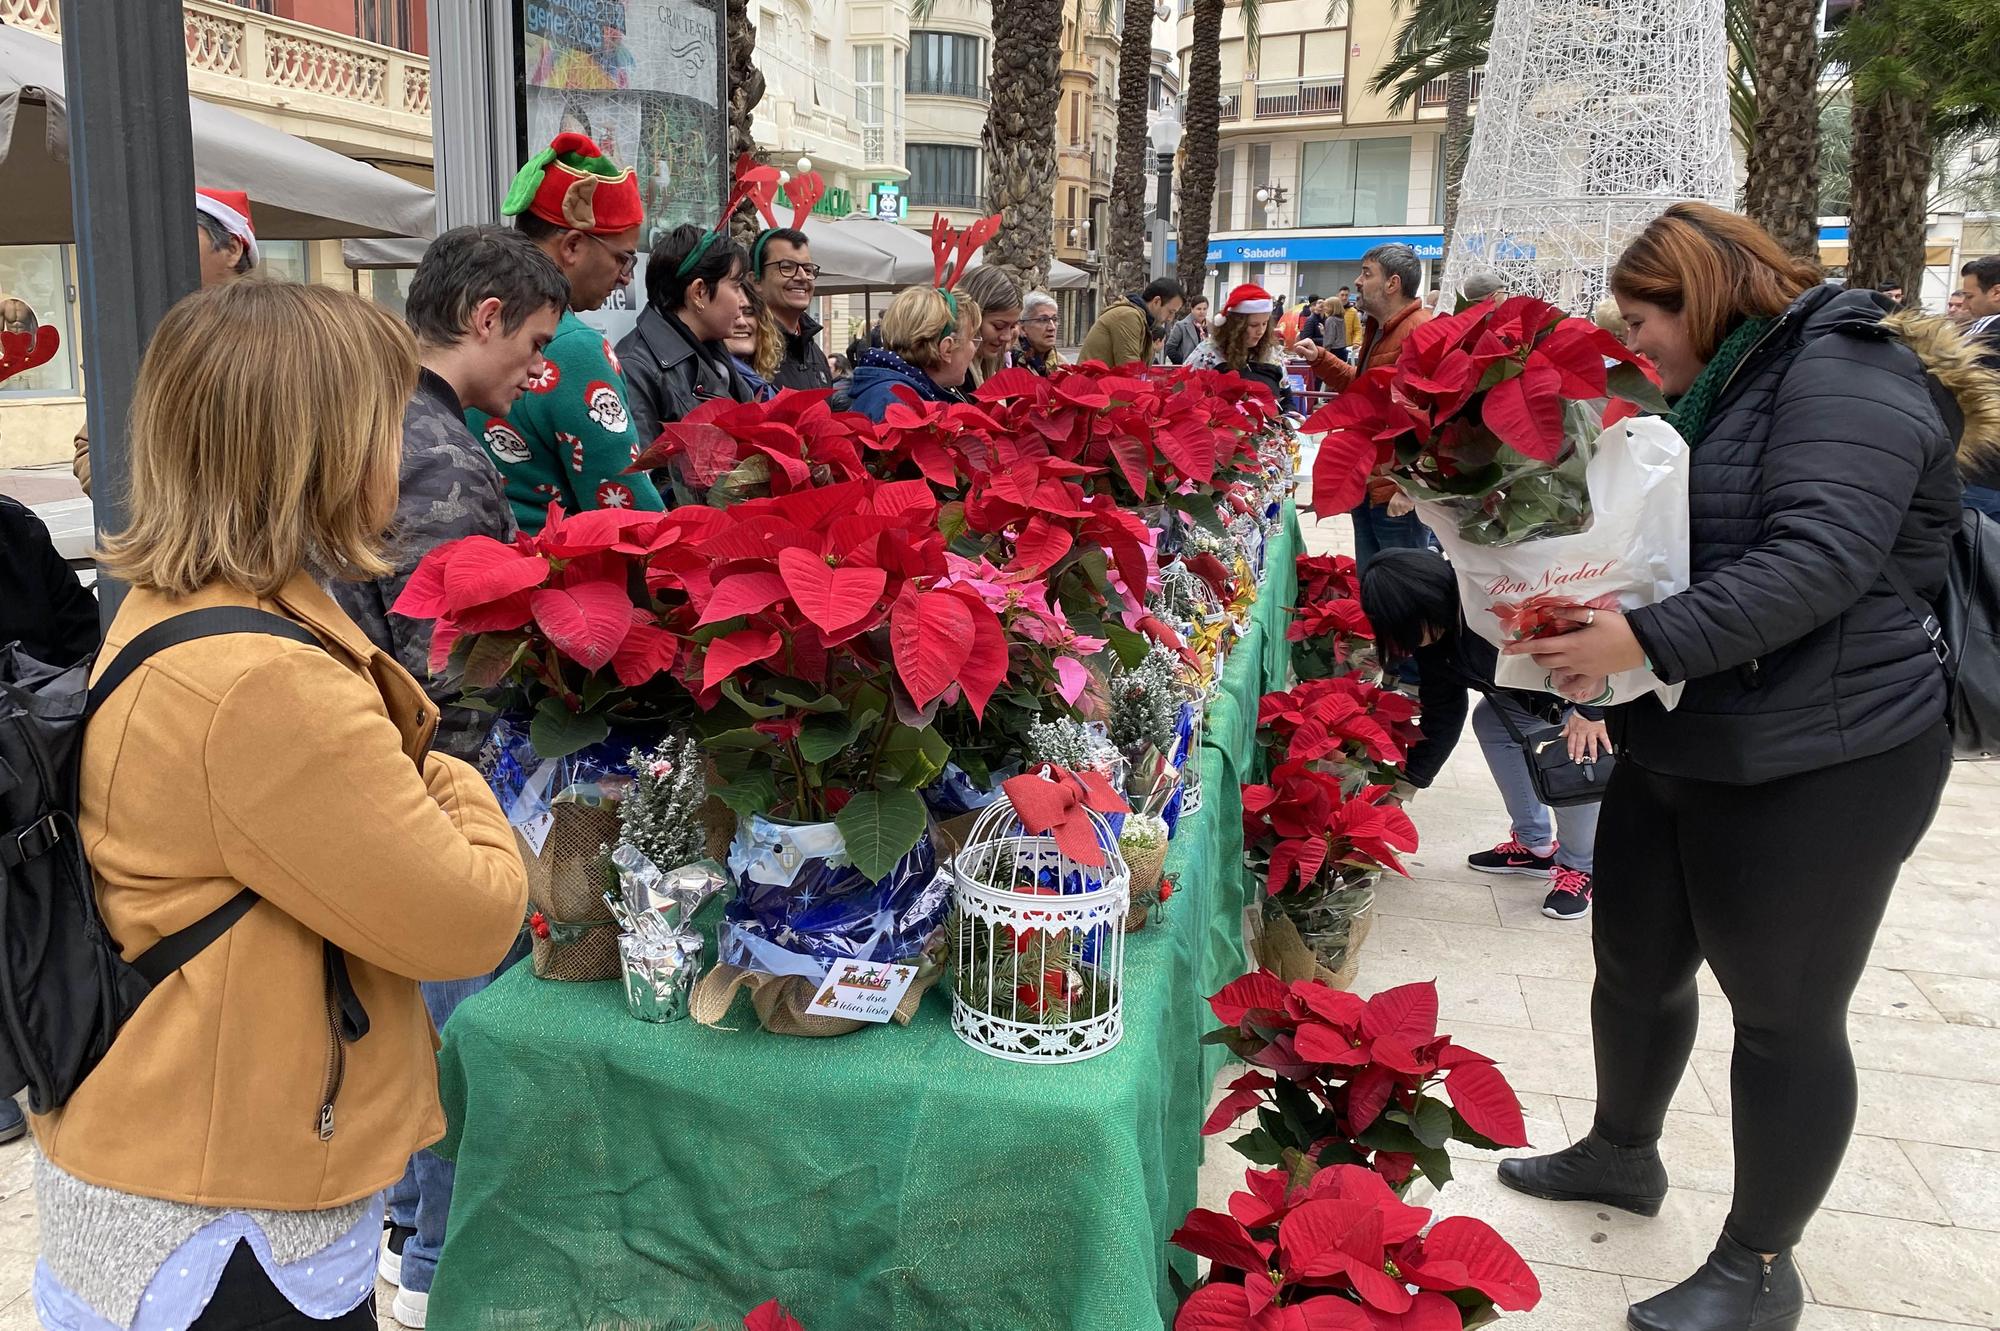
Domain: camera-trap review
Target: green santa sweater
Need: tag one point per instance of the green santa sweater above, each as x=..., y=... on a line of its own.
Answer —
x=570, y=438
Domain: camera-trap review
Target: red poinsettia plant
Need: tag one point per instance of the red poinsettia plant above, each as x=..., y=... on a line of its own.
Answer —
x=1346, y=726
x=725, y=451
x=1328, y=578
x=1341, y=1252
x=771, y=1316
x=574, y=626
x=1306, y=829
x=1492, y=412
x=1336, y=1079
x=1330, y=635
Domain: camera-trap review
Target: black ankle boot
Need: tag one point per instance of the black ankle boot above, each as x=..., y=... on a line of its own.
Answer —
x=1735, y=1290
x=1630, y=1178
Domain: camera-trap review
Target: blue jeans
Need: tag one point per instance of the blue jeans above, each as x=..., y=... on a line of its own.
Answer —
x=1986, y=500
x=1574, y=827
x=1375, y=530
x=421, y=1199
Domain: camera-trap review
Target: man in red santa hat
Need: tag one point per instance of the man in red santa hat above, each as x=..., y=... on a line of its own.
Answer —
x=225, y=247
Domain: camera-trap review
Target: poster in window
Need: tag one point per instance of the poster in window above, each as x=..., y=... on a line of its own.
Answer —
x=645, y=78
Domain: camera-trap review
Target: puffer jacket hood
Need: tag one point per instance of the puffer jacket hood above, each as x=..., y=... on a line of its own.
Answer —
x=1958, y=368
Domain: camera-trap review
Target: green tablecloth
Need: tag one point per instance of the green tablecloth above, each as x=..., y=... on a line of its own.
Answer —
x=612, y=1173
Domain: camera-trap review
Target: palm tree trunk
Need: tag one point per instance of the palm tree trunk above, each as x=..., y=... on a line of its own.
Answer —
x=1457, y=144
x=746, y=89
x=1889, y=188
x=1020, y=136
x=1124, y=252
x=1781, y=179
x=1199, y=145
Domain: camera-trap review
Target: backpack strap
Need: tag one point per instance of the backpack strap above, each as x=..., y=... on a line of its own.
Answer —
x=168, y=955
x=1926, y=616
x=213, y=622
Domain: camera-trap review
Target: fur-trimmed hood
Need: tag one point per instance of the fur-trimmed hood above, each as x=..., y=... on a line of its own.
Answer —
x=1964, y=369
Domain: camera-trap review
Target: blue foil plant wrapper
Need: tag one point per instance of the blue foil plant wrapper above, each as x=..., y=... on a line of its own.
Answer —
x=955, y=794
x=528, y=785
x=800, y=906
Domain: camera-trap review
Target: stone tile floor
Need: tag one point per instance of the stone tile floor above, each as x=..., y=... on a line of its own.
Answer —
x=1909, y=1239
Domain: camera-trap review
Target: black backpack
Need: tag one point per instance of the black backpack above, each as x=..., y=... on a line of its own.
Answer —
x=1964, y=629
x=65, y=990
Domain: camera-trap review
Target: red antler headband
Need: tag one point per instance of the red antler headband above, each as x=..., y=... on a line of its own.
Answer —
x=952, y=251
x=804, y=191
x=755, y=183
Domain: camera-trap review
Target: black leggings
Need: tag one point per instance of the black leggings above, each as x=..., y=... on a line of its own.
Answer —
x=246, y=1300
x=1781, y=887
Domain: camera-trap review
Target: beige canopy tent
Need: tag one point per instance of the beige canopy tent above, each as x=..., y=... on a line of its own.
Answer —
x=298, y=190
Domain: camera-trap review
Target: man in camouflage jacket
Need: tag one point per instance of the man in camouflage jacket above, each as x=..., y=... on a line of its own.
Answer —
x=449, y=487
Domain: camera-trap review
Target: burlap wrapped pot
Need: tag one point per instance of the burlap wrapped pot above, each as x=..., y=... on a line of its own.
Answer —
x=1147, y=865
x=566, y=883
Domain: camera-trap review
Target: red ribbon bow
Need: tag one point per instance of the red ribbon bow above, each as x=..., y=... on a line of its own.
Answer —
x=1053, y=801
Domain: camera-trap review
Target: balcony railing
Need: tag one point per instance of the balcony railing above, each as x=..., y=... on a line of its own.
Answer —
x=268, y=60
x=929, y=87
x=1433, y=95
x=1287, y=98
x=1232, y=101
x=937, y=198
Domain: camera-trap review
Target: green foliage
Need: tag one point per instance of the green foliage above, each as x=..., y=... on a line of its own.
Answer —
x=1146, y=702
x=1945, y=54
x=880, y=827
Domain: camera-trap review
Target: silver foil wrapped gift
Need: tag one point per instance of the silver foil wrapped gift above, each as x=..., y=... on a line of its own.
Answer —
x=659, y=945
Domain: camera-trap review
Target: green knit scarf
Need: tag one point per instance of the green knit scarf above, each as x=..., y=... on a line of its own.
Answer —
x=1691, y=410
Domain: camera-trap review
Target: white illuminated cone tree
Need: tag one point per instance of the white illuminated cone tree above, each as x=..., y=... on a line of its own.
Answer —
x=1595, y=115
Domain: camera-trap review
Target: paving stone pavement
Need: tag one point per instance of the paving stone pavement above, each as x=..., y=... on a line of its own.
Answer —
x=1909, y=1240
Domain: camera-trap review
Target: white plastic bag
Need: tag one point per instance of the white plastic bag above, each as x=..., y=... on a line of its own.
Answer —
x=1634, y=553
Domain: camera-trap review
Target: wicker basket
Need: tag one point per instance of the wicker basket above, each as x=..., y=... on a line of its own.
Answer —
x=566, y=883
x=1146, y=865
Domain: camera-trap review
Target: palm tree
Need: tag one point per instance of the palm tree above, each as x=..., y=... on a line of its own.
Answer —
x=1441, y=39
x=1199, y=143
x=1124, y=246
x=1781, y=175
x=1020, y=136
x=1923, y=72
x=746, y=89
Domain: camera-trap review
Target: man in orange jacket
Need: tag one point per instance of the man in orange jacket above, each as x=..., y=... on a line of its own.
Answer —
x=1390, y=284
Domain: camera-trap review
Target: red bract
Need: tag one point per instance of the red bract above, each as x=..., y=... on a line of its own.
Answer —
x=1327, y=578
x=1304, y=823
x=1342, y=1251
x=1508, y=368
x=798, y=439
x=771, y=1316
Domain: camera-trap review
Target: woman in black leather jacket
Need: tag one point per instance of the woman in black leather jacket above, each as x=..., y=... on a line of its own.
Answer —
x=1761, y=823
x=674, y=358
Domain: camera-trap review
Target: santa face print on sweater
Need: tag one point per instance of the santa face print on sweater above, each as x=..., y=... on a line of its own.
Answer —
x=606, y=408
x=504, y=443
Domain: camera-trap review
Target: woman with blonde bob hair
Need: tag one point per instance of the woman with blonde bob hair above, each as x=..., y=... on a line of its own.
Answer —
x=1760, y=824
x=929, y=338
x=256, y=786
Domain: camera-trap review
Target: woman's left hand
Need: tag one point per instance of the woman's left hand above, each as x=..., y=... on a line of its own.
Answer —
x=1400, y=503
x=1586, y=738
x=1601, y=644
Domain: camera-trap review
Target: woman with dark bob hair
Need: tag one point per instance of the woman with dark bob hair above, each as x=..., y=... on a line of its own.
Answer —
x=675, y=357
x=1760, y=824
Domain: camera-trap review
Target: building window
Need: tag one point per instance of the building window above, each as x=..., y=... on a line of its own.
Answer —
x=943, y=175
x=384, y=21
x=868, y=99
x=947, y=64
x=282, y=260
x=1356, y=182
x=1260, y=177
x=822, y=73
x=1225, y=190
x=34, y=290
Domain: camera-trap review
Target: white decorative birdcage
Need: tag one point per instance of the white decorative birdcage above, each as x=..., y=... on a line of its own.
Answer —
x=1038, y=943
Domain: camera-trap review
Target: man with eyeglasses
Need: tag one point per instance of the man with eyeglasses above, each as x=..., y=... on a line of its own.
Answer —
x=782, y=267
x=570, y=438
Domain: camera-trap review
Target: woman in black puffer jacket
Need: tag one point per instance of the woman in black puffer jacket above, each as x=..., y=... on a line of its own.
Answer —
x=1761, y=823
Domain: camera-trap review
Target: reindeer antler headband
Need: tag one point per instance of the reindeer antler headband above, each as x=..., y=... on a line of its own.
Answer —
x=952, y=251
x=803, y=192
x=756, y=183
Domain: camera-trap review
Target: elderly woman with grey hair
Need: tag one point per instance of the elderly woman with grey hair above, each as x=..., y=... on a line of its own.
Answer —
x=1039, y=322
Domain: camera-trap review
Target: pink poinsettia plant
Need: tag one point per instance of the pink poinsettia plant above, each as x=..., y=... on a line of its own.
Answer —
x=1342, y=1252
x=1492, y=412
x=1336, y=1079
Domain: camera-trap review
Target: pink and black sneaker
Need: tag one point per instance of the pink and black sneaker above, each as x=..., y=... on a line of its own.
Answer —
x=1510, y=856
x=1569, y=894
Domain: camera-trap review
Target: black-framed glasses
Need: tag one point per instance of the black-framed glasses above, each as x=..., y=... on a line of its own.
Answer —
x=1040, y=319
x=627, y=259
x=791, y=268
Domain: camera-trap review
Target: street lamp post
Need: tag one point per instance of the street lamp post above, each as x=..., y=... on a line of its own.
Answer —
x=1165, y=135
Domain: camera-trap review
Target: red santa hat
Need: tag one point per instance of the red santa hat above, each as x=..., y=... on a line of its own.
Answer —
x=230, y=207
x=1248, y=299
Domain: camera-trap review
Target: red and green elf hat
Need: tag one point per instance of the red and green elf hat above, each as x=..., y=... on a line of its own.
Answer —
x=571, y=183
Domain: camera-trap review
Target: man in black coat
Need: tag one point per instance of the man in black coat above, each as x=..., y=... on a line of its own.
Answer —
x=42, y=605
x=782, y=266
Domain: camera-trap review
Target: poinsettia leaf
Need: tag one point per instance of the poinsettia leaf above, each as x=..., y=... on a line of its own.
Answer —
x=648, y=652
x=880, y=827
x=1431, y=1122
x=1407, y=1013
x=733, y=651
x=1368, y=1095
x=1259, y=1148
x=586, y=622
x=1463, y=1252
x=422, y=596
x=985, y=665
x=1526, y=412
x=1216, y=1307
x=1247, y=993
x=1244, y=1093
x=1221, y=1238
x=488, y=658
x=1331, y=1312
x=1428, y=1311
x=1485, y=1100
x=771, y=1316
x=930, y=636
x=557, y=732
x=1041, y=545
x=742, y=594
x=834, y=598
x=1323, y=1044
x=481, y=570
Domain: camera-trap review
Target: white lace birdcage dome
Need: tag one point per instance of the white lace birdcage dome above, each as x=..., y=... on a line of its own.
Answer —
x=1038, y=942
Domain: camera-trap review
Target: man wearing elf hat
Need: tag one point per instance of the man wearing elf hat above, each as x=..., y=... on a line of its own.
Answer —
x=570, y=439
x=225, y=247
